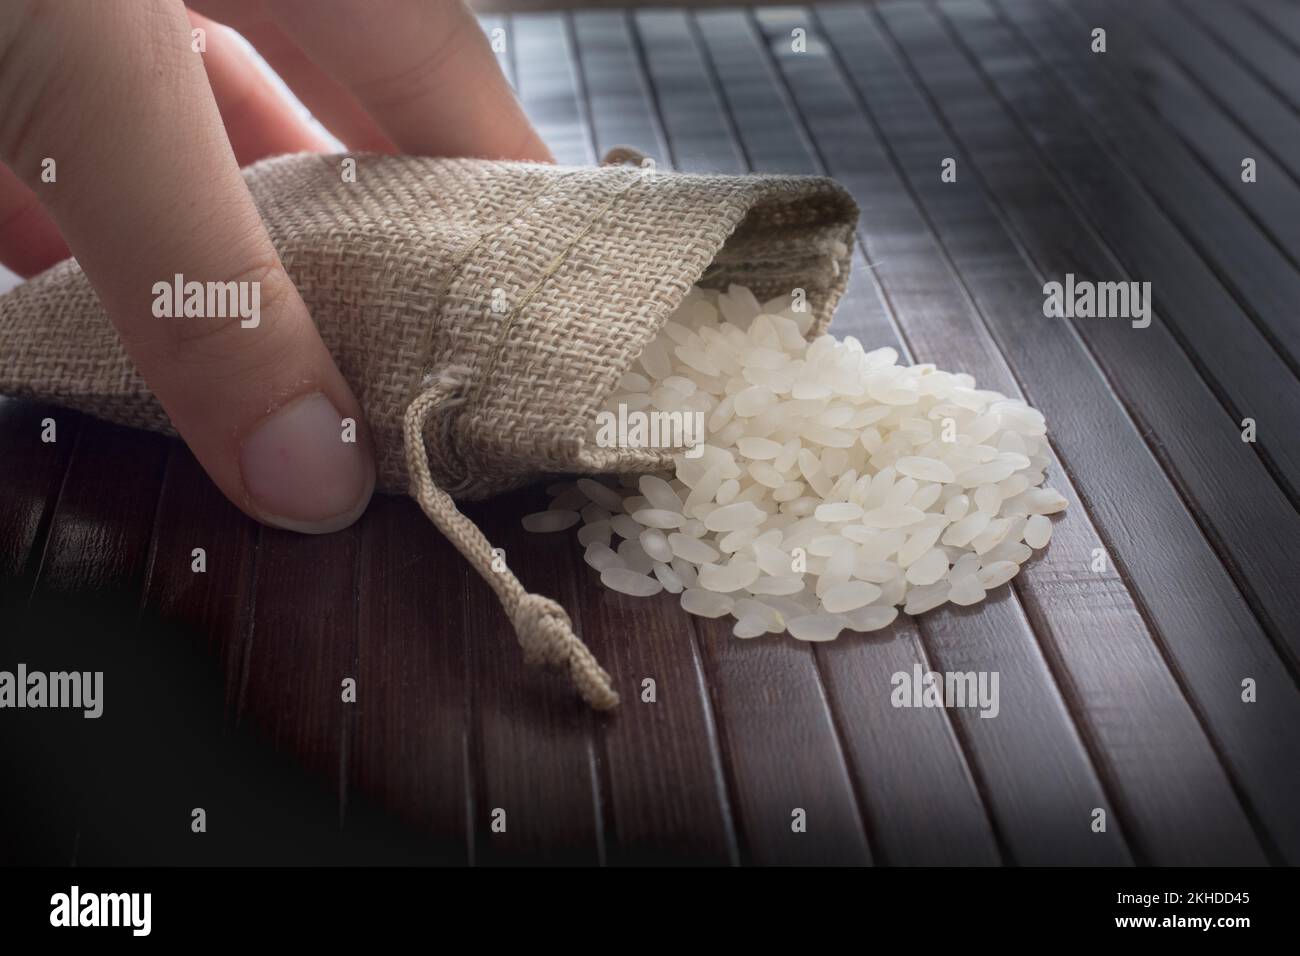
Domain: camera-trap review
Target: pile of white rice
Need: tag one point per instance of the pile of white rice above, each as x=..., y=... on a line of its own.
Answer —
x=835, y=485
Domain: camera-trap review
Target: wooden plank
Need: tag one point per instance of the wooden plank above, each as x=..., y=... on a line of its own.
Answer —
x=918, y=821
x=302, y=646
x=1263, y=577
x=1277, y=16
x=213, y=605
x=207, y=616
x=1260, y=278
x=920, y=796
x=84, y=596
x=31, y=472
x=1221, y=108
x=165, y=709
x=163, y=717
x=1274, y=127
x=532, y=751
x=771, y=138
x=621, y=112
x=1254, y=46
x=544, y=79
x=689, y=111
x=1193, y=99
x=97, y=549
x=1205, y=631
x=663, y=779
x=409, y=734
x=941, y=325
x=785, y=758
x=1232, y=352
x=157, y=659
x=1089, y=624
x=912, y=776
x=665, y=782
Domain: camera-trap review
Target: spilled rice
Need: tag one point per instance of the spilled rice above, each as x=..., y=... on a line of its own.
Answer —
x=834, y=487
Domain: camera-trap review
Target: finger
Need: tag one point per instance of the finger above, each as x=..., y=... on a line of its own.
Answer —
x=424, y=71
x=336, y=108
x=149, y=190
x=29, y=240
x=259, y=121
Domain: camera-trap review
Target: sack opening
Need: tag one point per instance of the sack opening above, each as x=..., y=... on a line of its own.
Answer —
x=810, y=252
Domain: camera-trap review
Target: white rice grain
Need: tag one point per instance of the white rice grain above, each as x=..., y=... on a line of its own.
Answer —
x=626, y=581
x=828, y=493
x=548, y=521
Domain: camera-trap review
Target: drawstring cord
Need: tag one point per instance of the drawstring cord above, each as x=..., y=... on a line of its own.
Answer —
x=544, y=629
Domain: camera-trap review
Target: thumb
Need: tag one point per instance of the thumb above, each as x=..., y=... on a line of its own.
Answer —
x=150, y=200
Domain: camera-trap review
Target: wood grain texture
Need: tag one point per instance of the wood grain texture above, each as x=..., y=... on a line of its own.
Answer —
x=302, y=646
x=669, y=747
x=1119, y=689
x=766, y=131
x=1199, y=93
x=619, y=98
x=1061, y=594
x=1277, y=17
x=408, y=742
x=544, y=80
x=98, y=541
x=782, y=748
x=939, y=324
x=1258, y=275
x=31, y=474
x=1248, y=266
x=532, y=742
x=1205, y=612
x=692, y=809
x=1256, y=46
x=1226, y=346
x=215, y=604
x=667, y=800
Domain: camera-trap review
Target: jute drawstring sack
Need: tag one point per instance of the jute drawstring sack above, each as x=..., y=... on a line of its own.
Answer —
x=481, y=312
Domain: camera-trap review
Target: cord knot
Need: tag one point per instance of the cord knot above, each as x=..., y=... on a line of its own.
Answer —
x=546, y=635
x=544, y=630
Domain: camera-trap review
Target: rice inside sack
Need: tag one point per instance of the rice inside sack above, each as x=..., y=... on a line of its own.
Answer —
x=829, y=485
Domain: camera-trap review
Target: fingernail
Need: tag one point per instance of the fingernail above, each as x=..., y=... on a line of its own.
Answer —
x=300, y=472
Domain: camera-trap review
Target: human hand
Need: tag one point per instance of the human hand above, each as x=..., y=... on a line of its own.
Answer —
x=123, y=145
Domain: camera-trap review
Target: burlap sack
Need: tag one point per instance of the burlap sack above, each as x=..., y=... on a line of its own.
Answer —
x=481, y=312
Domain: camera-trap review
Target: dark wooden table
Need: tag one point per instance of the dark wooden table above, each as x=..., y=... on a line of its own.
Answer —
x=1121, y=689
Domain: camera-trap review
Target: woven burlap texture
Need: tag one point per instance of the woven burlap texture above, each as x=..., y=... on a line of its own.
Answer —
x=515, y=294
